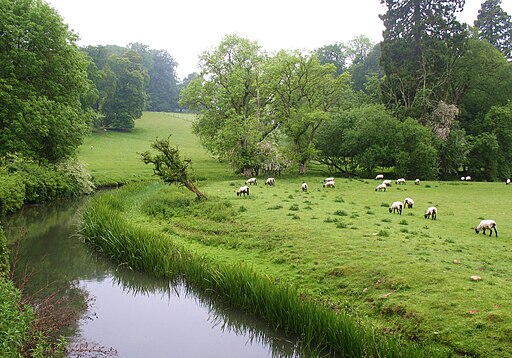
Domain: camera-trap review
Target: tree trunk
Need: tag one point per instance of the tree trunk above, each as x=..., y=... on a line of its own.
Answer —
x=191, y=186
x=248, y=172
x=302, y=168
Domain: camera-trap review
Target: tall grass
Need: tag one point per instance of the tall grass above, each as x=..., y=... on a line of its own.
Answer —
x=141, y=248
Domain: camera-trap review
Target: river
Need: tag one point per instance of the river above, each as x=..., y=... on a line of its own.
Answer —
x=124, y=313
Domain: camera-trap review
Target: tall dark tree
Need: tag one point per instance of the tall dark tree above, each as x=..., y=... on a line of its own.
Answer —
x=495, y=26
x=422, y=41
x=43, y=79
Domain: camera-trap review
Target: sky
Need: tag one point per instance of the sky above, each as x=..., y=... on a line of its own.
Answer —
x=187, y=28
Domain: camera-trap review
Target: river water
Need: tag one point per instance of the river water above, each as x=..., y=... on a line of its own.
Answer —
x=125, y=313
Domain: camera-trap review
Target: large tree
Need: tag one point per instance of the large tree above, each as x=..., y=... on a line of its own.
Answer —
x=422, y=42
x=495, y=26
x=232, y=118
x=43, y=78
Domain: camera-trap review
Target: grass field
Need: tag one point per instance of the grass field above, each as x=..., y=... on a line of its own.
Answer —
x=401, y=273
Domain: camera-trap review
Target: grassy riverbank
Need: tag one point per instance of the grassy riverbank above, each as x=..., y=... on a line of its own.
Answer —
x=341, y=247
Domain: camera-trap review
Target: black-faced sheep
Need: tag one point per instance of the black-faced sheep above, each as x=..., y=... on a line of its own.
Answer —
x=468, y=178
x=270, y=181
x=400, y=181
x=379, y=177
x=329, y=184
x=396, y=207
x=408, y=202
x=417, y=182
x=251, y=181
x=304, y=186
x=507, y=182
x=386, y=182
x=381, y=187
x=328, y=179
x=487, y=224
x=244, y=190
x=431, y=213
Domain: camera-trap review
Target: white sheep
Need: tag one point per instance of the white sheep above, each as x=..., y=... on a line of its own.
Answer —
x=328, y=179
x=270, y=181
x=431, y=212
x=468, y=178
x=487, y=224
x=417, y=181
x=379, y=177
x=400, y=181
x=408, y=202
x=244, y=190
x=251, y=181
x=507, y=182
x=329, y=184
x=462, y=178
x=381, y=187
x=396, y=207
x=386, y=182
x=304, y=186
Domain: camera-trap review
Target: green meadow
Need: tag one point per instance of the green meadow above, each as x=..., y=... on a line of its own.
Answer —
x=402, y=275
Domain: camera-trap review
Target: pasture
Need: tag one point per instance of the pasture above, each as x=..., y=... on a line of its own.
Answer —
x=339, y=246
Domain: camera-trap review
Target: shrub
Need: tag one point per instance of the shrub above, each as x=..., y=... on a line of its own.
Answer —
x=12, y=192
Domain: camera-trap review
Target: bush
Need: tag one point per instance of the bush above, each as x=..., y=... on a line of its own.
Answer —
x=12, y=192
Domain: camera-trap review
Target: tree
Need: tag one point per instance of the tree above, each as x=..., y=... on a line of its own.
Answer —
x=43, y=79
x=232, y=115
x=495, y=26
x=168, y=165
x=422, y=42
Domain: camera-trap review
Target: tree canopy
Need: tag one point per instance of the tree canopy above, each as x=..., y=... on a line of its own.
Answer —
x=495, y=26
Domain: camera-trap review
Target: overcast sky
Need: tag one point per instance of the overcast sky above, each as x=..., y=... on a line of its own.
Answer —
x=186, y=28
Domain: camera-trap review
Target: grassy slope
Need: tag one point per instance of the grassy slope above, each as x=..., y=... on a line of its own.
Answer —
x=344, y=247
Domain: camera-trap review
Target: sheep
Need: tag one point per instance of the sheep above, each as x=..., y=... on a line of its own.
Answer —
x=251, y=181
x=244, y=190
x=507, y=182
x=270, y=181
x=328, y=179
x=408, y=202
x=386, y=182
x=463, y=178
x=431, y=212
x=396, y=207
x=304, y=186
x=379, y=177
x=468, y=178
x=417, y=181
x=487, y=224
x=400, y=181
x=329, y=184
x=381, y=187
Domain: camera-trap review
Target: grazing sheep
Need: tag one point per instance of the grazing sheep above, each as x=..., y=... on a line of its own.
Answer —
x=396, y=207
x=462, y=178
x=270, y=181
x=328, y=179
x=381, y=187
x=468, y=178
x=244, y=190
x=408, y=202
x=431, y=212
x=487, y=224
x=379, y=177
x=251, y=181
x=507, y=182
x=417, y=182
x=400, y=181
x=386, y=182
x=329, y=184
x=304, y=186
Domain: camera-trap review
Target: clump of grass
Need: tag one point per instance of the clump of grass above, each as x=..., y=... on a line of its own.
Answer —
x=403, y=222
x=291, y=196
x=384, y=205
x=339, y=199
x=341, y=225
x=275, y=207
x=294, y=207
x=383, y=233
x=242, y=209
x=428, y=186
x=330, y=220
x=370, y=212
x=386, y=220
x=340, y=213
x=308, y=208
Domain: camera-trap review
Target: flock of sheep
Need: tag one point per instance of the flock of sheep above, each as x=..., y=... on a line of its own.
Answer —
x=396, y=207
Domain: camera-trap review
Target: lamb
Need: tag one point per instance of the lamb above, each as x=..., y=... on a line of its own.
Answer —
x=431, y=212
x=468, y=178
x=462, y=178
x=379, y=177
x=396, y=207
x=408, y=202
x=400, y=181
x=329, y=184
x=386, y=182
x=304, y=186
x=270, y=181
x=507, y=182
x=251, y=181
x=244, y=190
x=381, y=187
x=487, y=224
x=417, y=181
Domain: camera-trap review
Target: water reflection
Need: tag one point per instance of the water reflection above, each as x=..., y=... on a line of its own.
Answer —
x=136, y=314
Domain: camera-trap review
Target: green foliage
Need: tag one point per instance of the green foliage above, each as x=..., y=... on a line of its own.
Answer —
x=495, y=26
x=12, y=191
